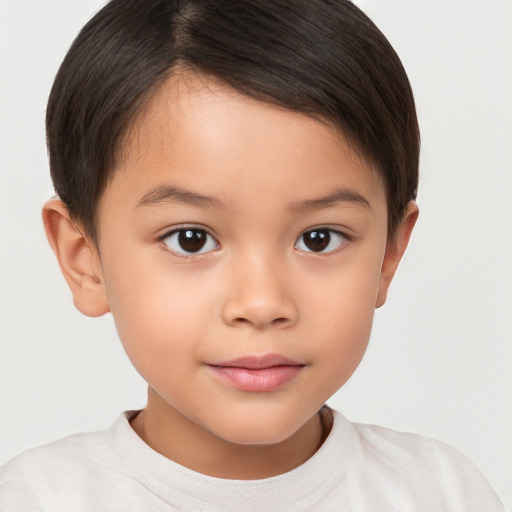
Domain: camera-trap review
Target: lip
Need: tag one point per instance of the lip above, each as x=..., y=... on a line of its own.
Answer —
x=261, y=373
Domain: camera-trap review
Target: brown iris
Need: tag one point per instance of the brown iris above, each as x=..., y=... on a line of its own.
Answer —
x=317, y=240
x=192, y=240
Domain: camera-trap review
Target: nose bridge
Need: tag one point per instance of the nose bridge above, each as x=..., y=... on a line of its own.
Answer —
x=258, y=292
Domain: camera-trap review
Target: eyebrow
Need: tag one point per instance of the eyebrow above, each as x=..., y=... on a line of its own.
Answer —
x=172, y=193
x=341, y=195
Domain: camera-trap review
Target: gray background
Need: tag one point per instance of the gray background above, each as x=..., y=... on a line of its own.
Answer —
x=440, y=360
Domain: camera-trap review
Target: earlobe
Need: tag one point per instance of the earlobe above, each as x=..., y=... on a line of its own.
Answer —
x=395, y=250
x=78, y=259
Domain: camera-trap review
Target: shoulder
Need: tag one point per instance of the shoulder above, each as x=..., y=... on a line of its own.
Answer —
x=74, y=450
x=390, y=446
x=405, y=446
x=416, y=467
x=31, y=479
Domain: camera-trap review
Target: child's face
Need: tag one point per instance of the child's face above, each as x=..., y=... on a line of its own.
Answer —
x=258, y=269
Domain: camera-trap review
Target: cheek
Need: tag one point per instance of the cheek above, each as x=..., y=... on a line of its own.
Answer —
x=158, y=314
x=341, y=312
x=344, y=293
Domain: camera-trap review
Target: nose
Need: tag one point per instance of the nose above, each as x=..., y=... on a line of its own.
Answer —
x=259, y=295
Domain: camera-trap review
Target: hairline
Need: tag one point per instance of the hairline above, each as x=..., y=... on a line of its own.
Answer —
x=183, y=70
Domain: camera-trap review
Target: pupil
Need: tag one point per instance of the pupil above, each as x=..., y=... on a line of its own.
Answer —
x=192, y=240
x=317, y=240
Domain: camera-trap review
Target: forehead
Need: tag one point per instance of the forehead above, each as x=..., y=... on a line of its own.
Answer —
x=203, y=134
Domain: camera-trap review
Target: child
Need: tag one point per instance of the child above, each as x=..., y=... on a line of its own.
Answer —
x=236, y=184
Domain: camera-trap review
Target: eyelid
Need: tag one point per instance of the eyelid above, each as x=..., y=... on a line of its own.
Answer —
x=183, y=227
x=345, y=240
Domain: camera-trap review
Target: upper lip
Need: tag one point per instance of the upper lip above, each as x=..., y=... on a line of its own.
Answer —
x=258, y=362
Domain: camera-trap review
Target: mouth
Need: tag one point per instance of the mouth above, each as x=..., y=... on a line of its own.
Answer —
x=260, y=374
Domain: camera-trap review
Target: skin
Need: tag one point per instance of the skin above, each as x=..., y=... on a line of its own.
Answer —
x=257, y=289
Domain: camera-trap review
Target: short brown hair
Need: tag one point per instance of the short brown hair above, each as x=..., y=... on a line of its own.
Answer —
x=325, y=58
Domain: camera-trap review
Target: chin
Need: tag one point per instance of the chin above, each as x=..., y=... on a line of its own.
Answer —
x=252, y=430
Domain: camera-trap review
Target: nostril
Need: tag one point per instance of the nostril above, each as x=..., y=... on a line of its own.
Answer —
x=260, y=313
x=276, y=322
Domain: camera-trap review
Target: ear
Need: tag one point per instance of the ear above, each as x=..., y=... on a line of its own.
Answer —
x=395, y=250
x=78, y=259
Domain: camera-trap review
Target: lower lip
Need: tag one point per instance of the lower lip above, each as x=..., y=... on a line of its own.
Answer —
x=257, y=380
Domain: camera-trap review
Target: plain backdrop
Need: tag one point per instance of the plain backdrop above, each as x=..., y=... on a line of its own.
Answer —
x=440, y=357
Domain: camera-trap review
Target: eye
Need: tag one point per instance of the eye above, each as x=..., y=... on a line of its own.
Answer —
x=188, y=241
x=320, y=240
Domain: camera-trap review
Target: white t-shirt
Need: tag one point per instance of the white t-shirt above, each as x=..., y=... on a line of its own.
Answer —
x=358, y=468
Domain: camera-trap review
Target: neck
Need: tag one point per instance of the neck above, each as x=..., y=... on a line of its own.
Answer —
x=178, y=438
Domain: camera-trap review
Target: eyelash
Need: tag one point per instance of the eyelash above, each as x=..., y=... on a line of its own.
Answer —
x=341, y=237
x=191, y=229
